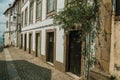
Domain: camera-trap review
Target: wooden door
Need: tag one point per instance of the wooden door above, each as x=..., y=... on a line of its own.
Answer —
x=30, y=43
x=50, y=46
x=38, y=43
x=74, y=55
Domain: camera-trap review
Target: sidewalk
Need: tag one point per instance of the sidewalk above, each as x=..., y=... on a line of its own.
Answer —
x=32, y=68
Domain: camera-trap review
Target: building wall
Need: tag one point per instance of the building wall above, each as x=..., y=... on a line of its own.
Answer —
x=117, y=43
x=10, y=14
x=39, y=25
x=116, y=48
x=7, y=30
x=103, y=41
x=6, y=39
x=104, y=38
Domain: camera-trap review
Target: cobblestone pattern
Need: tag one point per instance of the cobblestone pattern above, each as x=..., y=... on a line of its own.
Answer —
x=29, y=71
x=32, y=68
x=3, y=68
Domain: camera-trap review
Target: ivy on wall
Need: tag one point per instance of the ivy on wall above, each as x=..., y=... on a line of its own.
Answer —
x=82, y=14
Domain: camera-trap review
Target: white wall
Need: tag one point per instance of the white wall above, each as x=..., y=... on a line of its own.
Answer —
x=60, y=45
x=6, y=39
x=38, y=24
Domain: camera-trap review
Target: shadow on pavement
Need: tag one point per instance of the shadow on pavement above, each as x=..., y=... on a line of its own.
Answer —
x=3, y=71
x=27, y=71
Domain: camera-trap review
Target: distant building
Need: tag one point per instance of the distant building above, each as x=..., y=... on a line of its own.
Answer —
x=7, y=34
x=12, y=15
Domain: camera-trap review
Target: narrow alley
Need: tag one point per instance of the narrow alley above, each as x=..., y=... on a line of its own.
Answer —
x=16, y=64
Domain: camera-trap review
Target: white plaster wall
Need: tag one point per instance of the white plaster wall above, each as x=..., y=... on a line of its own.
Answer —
x=6, y=37
x=7, y=19
x=60, y=45
x=36, y=26
x=60, y=5
x=33, y=36
x=12, y=28
x=43, y=40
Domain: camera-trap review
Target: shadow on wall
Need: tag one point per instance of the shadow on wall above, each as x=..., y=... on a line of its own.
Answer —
x=26, y=71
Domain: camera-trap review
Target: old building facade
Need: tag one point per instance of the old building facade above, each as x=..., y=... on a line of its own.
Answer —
x=36, y=34
x=12, y=22
x=7, y=30
x=46, y=41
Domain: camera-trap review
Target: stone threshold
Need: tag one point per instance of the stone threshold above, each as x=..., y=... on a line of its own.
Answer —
x=74, y=76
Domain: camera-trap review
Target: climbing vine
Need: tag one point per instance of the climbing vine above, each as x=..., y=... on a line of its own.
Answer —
x=82, y=14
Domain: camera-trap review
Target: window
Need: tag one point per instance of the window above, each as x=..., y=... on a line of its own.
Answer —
x=38, y=9
x=50, y=5
x=22, y=20
x=6, y=24
x=31, y=12
x=26, y=16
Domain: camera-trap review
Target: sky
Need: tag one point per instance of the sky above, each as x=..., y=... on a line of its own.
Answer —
x=4, y=4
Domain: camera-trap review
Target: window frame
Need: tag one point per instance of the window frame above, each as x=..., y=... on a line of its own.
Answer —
x=6, y=24
x=31, y=9
x=53, y=11
x=38, y=17
x=26, y=16
x=22, y=22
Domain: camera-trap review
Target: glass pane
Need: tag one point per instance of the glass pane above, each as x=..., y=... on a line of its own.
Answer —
x=31, y=12
x=50, y=5
x=38, y=9
x=26, y=16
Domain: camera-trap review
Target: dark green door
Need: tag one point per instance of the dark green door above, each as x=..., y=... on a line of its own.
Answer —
x=38, y=43
x=74, y=59
x=30, y=43
x=50, y=46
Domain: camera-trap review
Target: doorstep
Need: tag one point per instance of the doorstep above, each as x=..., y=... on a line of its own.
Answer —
x=74, y=76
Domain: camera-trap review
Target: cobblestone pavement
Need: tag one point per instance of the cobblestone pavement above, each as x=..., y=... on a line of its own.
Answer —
x=3, y=67
x=31, y=68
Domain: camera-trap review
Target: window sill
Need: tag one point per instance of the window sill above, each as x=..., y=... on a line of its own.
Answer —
x=74, y=76
x=38, y=19
x=50, y=14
